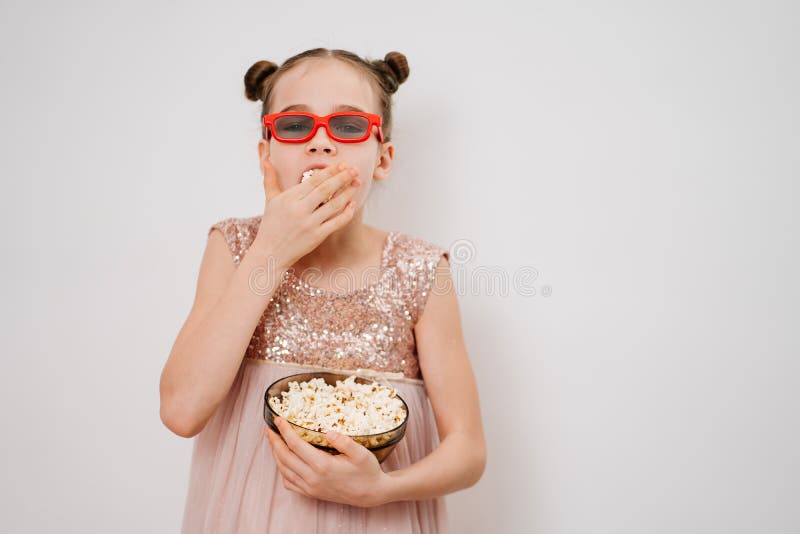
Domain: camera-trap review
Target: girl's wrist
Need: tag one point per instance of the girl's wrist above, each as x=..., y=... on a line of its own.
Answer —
x=390, y=488
x=266, y=256
x=262, y=270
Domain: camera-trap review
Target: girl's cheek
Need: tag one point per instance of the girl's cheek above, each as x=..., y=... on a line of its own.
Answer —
x=361, y=193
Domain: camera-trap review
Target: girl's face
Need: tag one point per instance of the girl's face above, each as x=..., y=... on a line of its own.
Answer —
x=322, y=87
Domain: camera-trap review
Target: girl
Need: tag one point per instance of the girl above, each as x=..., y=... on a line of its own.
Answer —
x=263, y=316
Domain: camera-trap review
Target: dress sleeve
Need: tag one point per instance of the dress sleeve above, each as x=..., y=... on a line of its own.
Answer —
x=429, y=257
x=238, y=233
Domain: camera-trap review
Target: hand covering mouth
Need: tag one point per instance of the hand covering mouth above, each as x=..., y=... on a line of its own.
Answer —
x=308, y=174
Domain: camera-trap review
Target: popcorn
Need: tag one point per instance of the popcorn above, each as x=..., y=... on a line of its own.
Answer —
x=349, y=408
x=307, y=175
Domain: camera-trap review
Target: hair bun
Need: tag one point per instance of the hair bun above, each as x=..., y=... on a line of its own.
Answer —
x=396, y=67
x=254, y=79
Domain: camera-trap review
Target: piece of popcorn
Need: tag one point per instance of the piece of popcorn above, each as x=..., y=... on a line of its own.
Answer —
x=307, y=175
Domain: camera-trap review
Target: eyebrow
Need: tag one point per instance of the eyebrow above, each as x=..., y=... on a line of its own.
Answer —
x=340, y=107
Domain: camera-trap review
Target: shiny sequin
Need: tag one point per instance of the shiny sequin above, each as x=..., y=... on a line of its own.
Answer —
x=368, y=327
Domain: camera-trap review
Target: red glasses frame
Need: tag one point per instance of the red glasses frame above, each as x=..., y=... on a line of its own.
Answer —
x=374, y=120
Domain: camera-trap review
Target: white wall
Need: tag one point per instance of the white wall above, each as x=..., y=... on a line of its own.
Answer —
x=641, y=156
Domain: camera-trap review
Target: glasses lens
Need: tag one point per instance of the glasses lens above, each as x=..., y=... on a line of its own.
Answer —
x=293, y=126
x=349, y=126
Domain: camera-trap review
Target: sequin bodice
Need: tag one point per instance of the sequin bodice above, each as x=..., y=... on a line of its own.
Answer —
x=368, y=327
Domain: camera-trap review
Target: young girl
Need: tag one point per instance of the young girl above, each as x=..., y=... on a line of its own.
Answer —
x=264, y=316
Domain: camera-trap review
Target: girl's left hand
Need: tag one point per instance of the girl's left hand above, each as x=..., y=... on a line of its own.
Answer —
x=353, y=477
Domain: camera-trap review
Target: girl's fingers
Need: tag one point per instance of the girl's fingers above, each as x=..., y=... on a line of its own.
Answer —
x=291, y=480
x=319, y=176
x=288, y=485
x=286, y=457
x=338, y=221
x=305, y=452
x=335, y=205
x=327, y=188
x=271, y=186
x=291, y=461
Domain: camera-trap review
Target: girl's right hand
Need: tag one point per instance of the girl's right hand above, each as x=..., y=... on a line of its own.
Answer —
x=293, y=225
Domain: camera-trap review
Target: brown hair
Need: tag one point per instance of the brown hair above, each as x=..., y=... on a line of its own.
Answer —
x=385, y=74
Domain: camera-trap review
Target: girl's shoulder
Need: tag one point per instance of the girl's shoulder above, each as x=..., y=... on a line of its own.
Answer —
x=239, y=233
x=408, y=250
x=411, y=271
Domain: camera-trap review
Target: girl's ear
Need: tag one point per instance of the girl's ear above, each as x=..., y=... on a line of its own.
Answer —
x=384, y=161
x=263, y=152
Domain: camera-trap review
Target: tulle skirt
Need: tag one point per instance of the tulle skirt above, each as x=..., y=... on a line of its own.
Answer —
x=235, y=485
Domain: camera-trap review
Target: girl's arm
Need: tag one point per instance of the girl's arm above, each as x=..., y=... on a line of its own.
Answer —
x=210, y=346
x=460, y=459
x=209, y=349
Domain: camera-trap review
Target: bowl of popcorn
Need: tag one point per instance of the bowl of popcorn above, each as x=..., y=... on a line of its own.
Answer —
x=371, y=413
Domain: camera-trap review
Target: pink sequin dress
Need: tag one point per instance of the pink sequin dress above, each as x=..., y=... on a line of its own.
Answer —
x=234, y=484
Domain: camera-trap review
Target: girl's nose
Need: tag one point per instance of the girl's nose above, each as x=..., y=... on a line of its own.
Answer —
x=320, y=143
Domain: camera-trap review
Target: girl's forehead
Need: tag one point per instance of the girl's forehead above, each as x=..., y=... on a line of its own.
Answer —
x=322, y=86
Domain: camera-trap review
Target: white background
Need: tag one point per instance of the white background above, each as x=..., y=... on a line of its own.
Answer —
x=643, y=157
